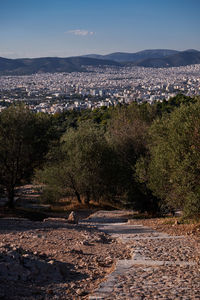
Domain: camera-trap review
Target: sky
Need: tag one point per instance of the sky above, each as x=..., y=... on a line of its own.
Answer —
x=38, y=28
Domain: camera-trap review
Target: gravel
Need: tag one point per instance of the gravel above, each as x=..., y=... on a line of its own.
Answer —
x=53, y=259
x=162, y=266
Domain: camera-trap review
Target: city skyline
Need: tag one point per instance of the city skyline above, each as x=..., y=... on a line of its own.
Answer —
x=65, y=28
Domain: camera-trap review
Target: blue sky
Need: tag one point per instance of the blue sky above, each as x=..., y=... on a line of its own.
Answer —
x=73, y=27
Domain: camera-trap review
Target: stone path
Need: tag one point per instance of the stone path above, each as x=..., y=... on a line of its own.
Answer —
x=161, y=266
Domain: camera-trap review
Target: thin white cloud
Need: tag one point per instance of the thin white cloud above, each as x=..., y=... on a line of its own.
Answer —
x=81, y=32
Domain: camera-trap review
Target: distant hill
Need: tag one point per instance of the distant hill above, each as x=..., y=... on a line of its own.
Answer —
x=184, y=58
x=25, y=66
x=148, y=58
x=159, y=58
x=133, y=57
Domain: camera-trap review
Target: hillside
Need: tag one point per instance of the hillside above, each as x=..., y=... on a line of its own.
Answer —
x=147, y=58
x=49, y=65
x=184, y=58
x=133, y=57
x=160, y=58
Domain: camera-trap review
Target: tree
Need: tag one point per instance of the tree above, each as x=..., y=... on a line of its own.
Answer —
x=173, y=173
x=84, y=166
x=127, y=134
x=22, y=145
x=174, y=102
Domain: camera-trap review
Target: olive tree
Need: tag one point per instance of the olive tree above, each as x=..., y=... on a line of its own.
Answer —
x=173, y=172
x=84, y=166
x=23, y=142
x=127, y=133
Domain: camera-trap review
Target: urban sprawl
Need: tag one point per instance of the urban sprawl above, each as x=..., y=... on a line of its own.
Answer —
x=98, y=87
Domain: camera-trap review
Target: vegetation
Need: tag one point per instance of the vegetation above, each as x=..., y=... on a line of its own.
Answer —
x=24, y=140
x=173, y=168
x=82, y=166
x=142, y=156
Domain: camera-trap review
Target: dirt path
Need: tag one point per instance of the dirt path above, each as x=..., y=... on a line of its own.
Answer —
x=53, y=259
x=162, y=266
x=103, y=257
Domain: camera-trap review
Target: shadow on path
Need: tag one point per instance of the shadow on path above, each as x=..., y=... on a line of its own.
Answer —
x=28, y=274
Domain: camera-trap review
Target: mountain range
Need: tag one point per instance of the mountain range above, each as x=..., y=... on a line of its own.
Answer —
x=158, y=58
x=134, y=57
x=26, y=66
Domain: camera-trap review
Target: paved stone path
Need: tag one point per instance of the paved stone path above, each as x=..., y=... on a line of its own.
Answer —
x=161, y=267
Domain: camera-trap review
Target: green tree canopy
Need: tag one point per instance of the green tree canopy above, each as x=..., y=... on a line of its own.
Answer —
x=173, y=173
x=23, y=142
x=127, y=134
x=84, y=165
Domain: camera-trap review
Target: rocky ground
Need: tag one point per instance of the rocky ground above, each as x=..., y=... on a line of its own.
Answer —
x=53, y=259
x=170, y=225
x=189, y=246
x=162, y=265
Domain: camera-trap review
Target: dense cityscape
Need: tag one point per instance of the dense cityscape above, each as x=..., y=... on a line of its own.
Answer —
x=99, y=86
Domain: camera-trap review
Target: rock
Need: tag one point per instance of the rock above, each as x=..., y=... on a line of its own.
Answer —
x=75, y=251
x=86, y=243
x=176, y=222
x=73, y=218
x=80, y=292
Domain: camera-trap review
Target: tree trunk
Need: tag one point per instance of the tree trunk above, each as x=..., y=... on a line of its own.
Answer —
x=87, y=199
x=78, y=197
x=73, y=186
x=10, y=193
